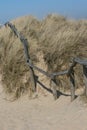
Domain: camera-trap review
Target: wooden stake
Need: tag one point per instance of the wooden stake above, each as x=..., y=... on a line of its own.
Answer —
x=85, y=78
x=72, y=81
x=53, y=87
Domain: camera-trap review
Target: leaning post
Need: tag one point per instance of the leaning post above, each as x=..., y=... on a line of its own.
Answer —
x=72, y=79
x=85, y=78
x=72, y=83
x=54, y=88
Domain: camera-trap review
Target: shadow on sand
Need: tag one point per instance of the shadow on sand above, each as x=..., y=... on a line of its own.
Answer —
x=50, y=91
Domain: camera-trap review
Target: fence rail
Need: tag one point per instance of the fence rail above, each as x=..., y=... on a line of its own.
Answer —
x=69, y=72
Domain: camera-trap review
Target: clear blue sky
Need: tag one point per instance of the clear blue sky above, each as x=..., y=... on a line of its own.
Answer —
x=10, y=9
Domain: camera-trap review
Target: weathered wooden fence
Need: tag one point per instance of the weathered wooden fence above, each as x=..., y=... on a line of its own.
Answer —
x=69, y=72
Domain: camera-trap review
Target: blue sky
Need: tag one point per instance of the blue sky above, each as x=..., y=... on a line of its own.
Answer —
x=10, y=9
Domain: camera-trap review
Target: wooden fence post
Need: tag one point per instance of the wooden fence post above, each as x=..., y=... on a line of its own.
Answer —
x=72, y=82
x=33, y=80
x=85, y=78
x=53, y=87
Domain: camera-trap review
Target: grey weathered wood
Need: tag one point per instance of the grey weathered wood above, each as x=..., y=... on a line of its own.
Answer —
x=72, y=83
x=71, y=68
x=60, y=73
x=54, y=88
x=85, y=78
x=33, y=81
x=40, y=70
x=81, y=61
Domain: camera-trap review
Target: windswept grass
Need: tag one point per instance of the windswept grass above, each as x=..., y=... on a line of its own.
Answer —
x=59, y=38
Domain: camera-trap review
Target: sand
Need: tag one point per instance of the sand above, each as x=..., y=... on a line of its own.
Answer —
x=42, y=113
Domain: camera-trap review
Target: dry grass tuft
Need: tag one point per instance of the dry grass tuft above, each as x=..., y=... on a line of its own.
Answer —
x=58, y=38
